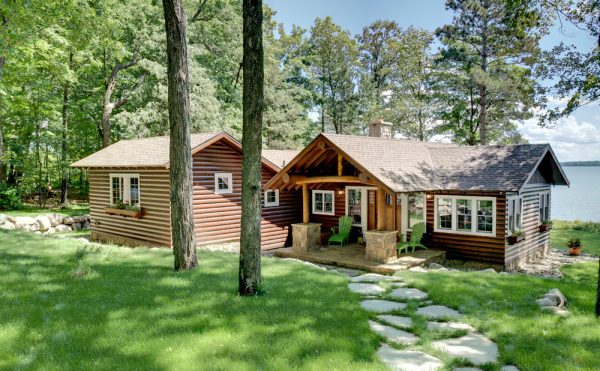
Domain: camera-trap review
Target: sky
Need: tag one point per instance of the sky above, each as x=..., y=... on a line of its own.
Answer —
x=574, y=138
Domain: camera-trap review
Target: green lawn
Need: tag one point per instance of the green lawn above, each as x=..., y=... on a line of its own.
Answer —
x=588, y=232
x=121, y=308
x=31, y=210
x=503, y=308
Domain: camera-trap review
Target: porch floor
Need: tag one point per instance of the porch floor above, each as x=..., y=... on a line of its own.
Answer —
x=353, y=256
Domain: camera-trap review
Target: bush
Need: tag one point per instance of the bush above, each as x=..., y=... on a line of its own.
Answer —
x=9, y=198
x=577, y=225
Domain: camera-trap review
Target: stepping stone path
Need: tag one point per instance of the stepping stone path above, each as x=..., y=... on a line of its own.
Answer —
x=408, y=293
x=366, y=288
x=398, y=321
x=474, y=347
x=393, y=335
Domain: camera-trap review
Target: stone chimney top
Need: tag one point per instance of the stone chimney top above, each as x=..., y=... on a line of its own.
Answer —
x=380, y=128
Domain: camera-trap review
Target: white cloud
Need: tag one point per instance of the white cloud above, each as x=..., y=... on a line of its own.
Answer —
x=571, y=140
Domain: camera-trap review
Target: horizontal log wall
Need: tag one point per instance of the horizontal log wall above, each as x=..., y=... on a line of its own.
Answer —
x=534, y=240
x=154, y=228
x=218, y=216
x=470, y=247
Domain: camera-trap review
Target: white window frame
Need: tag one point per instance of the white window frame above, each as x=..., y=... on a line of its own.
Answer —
x=229, y=177
x=407, y=213
x=474, y=219
x=274, y=203
x=544, y=195
x=323, y=192
x=126, y=186
x=517, y=200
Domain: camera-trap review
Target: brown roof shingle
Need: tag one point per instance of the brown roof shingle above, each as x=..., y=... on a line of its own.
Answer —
x=279, y=157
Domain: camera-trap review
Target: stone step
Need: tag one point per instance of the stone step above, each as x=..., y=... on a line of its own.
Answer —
x=398, y=321
x=438, y=312
x=449, y=326
x=392, y=334
x=366, y=288
x=476, y=348
x=408, y=360
x=374, y=278
x=381, y=306
x=408, y=294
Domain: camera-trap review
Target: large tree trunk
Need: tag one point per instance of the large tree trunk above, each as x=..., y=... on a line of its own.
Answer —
x=598, y=293
x=180, y=152
x=483, y=87
x=2, y=173
x=64, y=183
x=253, y=95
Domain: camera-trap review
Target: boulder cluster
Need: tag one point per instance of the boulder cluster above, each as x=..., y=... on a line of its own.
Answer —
x=554, y=301
x=45, y=224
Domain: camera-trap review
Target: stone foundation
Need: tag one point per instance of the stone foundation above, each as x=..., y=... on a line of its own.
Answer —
x=532, y=257
x=381, y=246
x=306, y=237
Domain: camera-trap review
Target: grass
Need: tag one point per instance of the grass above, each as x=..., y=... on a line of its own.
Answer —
x=34, y=210
x=69, y=307
x=587, y=232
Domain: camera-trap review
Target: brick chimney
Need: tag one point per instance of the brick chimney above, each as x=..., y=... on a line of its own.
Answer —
x=380, y=128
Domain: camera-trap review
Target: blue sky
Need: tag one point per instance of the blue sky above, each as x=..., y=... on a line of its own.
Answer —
x=573, y=138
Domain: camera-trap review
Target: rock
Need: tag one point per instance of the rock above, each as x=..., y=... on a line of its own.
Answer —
x=32, y=227
x=556, y=310
x=85, y=225
x=397, y=284
x=7, y=225
x=408, y=360
x=3, y=218
x=84, y=241
x=22, y=221
x=489, y=270
x=374, y=277
x=509, y=368
x=435, y=266
x=67, y=220
x=76, y=226
x=381, y=306
x=398, y=321
x=504, y=273
x=443, y=269
x=43, y=223
x=449, y=326
x=11, y=219
x=51, y=230
x=393, y=335
x=474, y=347
x=418, y=269
x=438, y=311
x=38, y=232
x=62, y=228
x=409, y=293
x=547, y=302
x=366, y=288
x=55, y=219
x=80, y=219
x=558, y=295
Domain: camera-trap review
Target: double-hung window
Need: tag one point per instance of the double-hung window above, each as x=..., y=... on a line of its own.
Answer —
x=323, y=202
x=223, y=183
x=125, y=189
x=465, y=214
x=271, y=197
x=544, y=206
x=515, y=213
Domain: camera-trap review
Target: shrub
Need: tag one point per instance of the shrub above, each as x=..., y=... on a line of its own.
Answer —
x=577, y=225
x=9, y=198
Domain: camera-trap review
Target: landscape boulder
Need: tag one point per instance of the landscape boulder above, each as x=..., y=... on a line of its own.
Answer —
x=68, y=220
x=43, y=223
x=76, y=226
x=7, y=225
x=85, y=225
x=554, y=301
x=80, y=218
x=62, y=228
x=22, y=221
x=3, y=218
x=55, y=219
x=557, y=296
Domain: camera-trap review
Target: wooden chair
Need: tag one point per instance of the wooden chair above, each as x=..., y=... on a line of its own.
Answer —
x=418, y=231
x=344, y=225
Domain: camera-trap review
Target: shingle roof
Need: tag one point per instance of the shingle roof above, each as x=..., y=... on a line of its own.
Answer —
x=145, y=152
x=280, y=157
x=407, y=166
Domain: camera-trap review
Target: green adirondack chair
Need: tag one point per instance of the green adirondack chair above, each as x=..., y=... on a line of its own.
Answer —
x=415, y=239
x=345, y=223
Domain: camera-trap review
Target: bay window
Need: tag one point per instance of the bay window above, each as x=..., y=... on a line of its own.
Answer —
x=465, y=214
x=125, y=189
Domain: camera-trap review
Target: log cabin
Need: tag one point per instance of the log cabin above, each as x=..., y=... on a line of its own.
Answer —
x=129, y=192
x=472, y=199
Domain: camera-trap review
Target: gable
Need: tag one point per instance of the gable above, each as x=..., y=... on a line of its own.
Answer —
x=548, y=171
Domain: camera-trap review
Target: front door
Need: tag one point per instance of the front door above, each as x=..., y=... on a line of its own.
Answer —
x=356, y=207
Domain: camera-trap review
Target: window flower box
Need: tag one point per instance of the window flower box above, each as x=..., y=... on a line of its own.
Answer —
x=516, y=237
x=545, y=226
x=137, y=214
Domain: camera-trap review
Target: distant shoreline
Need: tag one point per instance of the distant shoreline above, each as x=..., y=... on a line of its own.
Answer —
x=581, y=163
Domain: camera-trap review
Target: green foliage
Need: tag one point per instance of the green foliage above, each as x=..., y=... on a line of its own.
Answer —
x=574, y=242
x=577, y=225
x=9, y=198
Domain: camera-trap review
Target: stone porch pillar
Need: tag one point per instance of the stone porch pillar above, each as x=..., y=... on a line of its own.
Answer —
x=381, y=246
x=306, y=237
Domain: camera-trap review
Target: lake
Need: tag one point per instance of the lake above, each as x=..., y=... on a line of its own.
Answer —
x=581, y=201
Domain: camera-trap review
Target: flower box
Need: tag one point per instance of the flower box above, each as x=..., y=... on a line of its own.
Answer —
x=545, y=228
x=137, y=214
x=515, y=239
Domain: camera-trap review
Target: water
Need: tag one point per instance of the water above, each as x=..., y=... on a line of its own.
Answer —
x=581, y=201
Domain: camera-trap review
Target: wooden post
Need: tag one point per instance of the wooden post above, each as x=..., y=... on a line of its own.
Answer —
x=305, y=211
x=340, y=166
x=380, y=209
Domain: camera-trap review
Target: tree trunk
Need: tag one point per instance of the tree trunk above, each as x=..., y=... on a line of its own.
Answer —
x=598, y=293
x=2, y=173
x=64, y=168
x=483, y=86
x=180, y=152
x=253, y=95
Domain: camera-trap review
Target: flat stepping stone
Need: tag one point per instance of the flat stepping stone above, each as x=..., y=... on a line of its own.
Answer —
x=407, y=360
x=409, y=293
x=449, y=326
x=392, y=334
x=475, y=347
x=398, y=321
x=398, y=284
x=418, y=269
x=374, y=278
x=509, y=368
x=348, y=271
x=438, y=312
x=366, y=288
x=381, y=306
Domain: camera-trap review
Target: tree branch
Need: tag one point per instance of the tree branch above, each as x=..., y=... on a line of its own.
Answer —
x=198, y=14
x=126, y=98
